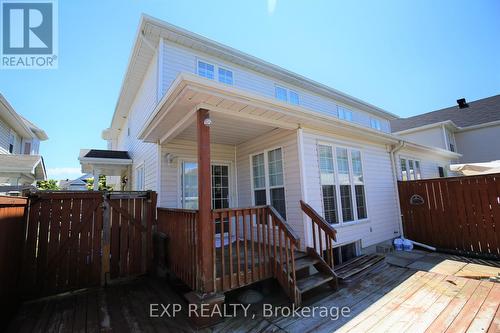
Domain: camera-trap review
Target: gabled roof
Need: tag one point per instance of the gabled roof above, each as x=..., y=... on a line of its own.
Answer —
x=23, y=164
x=479, y=112
x=21, y=125
x=146, y=42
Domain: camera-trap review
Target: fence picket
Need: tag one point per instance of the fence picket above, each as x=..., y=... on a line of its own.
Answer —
x=459, y=214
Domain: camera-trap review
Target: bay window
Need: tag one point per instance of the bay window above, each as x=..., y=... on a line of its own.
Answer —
x=345, y=183
x=268, y=180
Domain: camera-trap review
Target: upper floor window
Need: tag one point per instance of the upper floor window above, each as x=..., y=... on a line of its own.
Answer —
x=375, y=124
x=451, y=140
x=206, y=70
x=27, y=148
x=344, y=113
x=286, y=95
x=12, y=141
x=225, y=76
x=210, y=71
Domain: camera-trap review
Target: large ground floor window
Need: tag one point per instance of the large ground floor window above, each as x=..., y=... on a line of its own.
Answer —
x=189, y=185
x=268, y=181
x=342, y=184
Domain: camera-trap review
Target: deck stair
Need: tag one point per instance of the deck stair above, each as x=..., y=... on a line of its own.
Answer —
x=309, y=278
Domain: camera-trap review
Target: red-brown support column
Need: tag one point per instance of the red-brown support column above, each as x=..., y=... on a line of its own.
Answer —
x=205, y=232
x=205, y=295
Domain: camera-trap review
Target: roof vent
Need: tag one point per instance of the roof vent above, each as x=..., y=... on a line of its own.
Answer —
x=462, y=104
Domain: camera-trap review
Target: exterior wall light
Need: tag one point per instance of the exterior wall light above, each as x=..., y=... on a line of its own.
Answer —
x=207, y=121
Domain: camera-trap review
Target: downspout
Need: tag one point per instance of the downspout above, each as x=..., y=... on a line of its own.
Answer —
x=401, y=144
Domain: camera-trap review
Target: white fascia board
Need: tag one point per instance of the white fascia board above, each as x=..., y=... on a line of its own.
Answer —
x=104, y=161
x=428, y=126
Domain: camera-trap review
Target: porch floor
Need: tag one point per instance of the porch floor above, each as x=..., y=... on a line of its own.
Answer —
x=386, y=299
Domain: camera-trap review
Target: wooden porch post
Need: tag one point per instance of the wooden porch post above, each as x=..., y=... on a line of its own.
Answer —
x=205, y=230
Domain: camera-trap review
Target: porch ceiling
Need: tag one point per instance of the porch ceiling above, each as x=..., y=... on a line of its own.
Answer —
x=226, y=129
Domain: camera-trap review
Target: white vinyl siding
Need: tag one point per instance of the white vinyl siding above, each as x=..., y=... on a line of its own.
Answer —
x=178, y=151
x=144, y=103
x=428, y=165
x=381, y=200
x=178, y=59
x=287, y=140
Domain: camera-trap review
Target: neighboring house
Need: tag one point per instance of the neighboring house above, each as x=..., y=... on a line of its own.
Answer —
x=78, y=184
x=20, y=162
x=275, y=138
x=470, y=128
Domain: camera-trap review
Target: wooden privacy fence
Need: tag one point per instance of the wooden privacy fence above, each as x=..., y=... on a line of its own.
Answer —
x=12, y=211
x=76, y=240
x=460, y=214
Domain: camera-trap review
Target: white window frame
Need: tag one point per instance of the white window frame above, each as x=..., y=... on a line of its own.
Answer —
x=266, y=174
x=377, y=122
x=334, y=147
x=232, y=179
x=344, y=112
x=288, y=91
x=407, y=164
x=136, y=176
x=216, y=71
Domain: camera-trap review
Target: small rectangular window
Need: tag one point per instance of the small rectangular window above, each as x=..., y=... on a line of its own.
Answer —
x=27, y=148
x=206, y=70
x=225, y=76
x=286, y=95
x=140, y=178
x=411, y=170
x=360, y=201
x=417, y=170
x=294, y=97
x=404, y=173
x=280, y=93
x=344, y=113
x=375, y=124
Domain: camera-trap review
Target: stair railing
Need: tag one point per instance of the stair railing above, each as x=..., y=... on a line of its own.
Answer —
x=322, y=232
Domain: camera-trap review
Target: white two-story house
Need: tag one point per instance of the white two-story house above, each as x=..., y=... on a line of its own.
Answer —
x=275, y=138
x=20, y=162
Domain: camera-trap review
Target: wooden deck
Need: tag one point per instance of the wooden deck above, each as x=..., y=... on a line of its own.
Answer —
x=391, y=298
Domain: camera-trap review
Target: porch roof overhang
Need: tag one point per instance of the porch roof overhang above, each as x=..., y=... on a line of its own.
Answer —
x=175, y=112
x=106, y=162
x=31, y=167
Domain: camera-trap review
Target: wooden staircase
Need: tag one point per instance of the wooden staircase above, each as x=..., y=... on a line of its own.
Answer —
x=304, y=264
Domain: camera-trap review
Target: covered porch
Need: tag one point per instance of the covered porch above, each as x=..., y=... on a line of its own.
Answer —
x=230, y=190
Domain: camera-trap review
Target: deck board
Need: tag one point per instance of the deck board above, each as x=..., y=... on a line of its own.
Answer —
x=391, y=299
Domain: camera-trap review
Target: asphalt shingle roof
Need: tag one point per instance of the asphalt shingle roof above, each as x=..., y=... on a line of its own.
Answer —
x=479, y=112
x=117, y=154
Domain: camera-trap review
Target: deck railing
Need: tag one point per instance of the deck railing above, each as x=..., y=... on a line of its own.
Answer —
x=322, y=232
x=250, y=244
x=179, y=225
